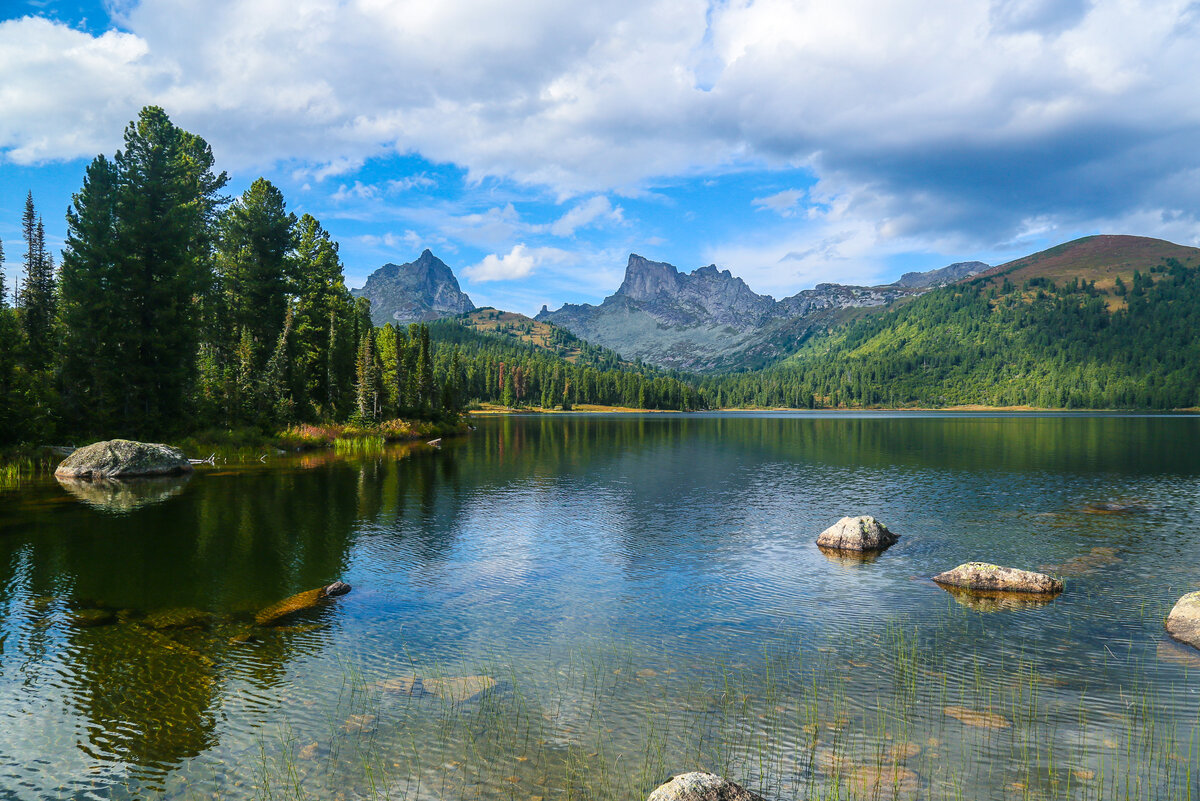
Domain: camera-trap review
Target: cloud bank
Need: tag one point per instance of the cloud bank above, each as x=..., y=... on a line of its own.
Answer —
x=958, y=124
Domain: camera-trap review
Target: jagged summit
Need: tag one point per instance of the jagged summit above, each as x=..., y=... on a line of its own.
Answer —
x=421, y=290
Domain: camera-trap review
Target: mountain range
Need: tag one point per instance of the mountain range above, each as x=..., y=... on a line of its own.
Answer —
x=707, y=320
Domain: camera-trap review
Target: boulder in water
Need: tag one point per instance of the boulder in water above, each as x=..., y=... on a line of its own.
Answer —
x=699, y=786
x=1184, y=621
x=177, y=618
x=300, y=602
x=984, y=576
x=863, y=533
x=123, y=458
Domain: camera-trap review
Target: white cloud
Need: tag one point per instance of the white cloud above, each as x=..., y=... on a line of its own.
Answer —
x=519, y=262
x=986, y=114
x=585, y=214
x=782, y=203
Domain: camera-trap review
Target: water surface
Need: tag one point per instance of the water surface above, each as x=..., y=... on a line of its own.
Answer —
x=644, y=591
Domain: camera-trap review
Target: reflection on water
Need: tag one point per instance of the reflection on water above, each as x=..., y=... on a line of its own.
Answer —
x=589, y=604
x=124, y=495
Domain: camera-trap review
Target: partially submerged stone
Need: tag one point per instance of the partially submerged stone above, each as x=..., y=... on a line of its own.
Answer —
x=1183, y=623
x=978, y=718
x=123, y=458
x=985, y=576
x=699, y=786
x=1096, y=558
x=863, y=533
x=300, y=602
x=455, y=689
x=1114, y=508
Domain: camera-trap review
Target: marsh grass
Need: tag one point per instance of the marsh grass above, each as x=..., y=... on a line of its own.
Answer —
x=794, y=722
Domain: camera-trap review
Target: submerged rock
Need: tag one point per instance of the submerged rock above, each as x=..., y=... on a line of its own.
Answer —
x=300, y=602
x=999, y=600
x=1083, y=564
x=984, y=576
x=86, y=618
x=980, y=719
x=1184, y=621
x=863, y=533
x=123, y=458
x=177, y=618
x=455, y=689
x=1112, y=508
x=699, y=786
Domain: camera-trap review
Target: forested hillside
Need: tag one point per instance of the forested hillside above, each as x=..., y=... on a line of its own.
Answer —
x=998, y=341
x=514, y=361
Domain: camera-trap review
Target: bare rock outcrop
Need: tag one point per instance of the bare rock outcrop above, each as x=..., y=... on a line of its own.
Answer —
x=863, y=534
x=699, y=786
x=1184, y=621
x=123, y=458
x=993, y=578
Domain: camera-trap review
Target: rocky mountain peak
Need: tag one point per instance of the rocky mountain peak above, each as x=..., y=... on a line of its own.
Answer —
x=421, y=290
x=646, y=280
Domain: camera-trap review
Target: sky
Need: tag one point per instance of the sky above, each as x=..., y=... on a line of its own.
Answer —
x=534, y=144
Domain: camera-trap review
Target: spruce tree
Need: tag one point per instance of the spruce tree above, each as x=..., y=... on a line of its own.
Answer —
x=154, y=267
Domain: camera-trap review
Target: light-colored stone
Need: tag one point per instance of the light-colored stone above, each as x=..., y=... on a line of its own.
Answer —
x=699, y=786
x=455, y=689
x=985, y=576
x=123, y=458
x=1184, y=621
x=863, y=533
x=977, y=718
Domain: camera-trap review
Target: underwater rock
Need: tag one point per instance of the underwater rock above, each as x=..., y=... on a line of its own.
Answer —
x=124, y=495
x=1111, y=508
x=857, y=534
x=1085, y=563
x=177, y=618
x=455, y=689
x=699, y=786
x=300, y=602
x=86, y=618
x=984, y=576
x=1184, y=621
x=999, y=600
x=122, y=458
x=973, y=717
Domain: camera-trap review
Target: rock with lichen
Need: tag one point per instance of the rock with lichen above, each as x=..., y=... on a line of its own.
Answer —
x=863, y=533
x=989, y=577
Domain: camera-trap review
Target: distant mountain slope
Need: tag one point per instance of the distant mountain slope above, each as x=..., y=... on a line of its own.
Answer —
x=418, y=291
x=1055, y=329
x=1101, y=258
x=540, y=335
x=710, y=320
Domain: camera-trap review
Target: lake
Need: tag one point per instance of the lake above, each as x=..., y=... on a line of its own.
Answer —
x=580, y=606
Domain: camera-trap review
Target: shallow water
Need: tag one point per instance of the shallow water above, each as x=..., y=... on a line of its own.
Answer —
x=646, y=593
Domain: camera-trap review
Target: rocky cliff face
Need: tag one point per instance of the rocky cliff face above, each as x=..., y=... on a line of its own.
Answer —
x=419, y=291
x=709, y=319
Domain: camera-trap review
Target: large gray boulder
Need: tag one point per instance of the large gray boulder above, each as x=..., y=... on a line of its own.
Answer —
x=989, y=577
x=123, y=458
x=1184, y=621
x=702, y=787
x=857, y=534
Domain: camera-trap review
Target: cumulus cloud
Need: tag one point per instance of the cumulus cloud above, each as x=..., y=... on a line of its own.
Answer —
x=517, y=263
x=984, y=116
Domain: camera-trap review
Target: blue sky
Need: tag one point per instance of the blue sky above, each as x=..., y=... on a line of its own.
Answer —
x=534, y=144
